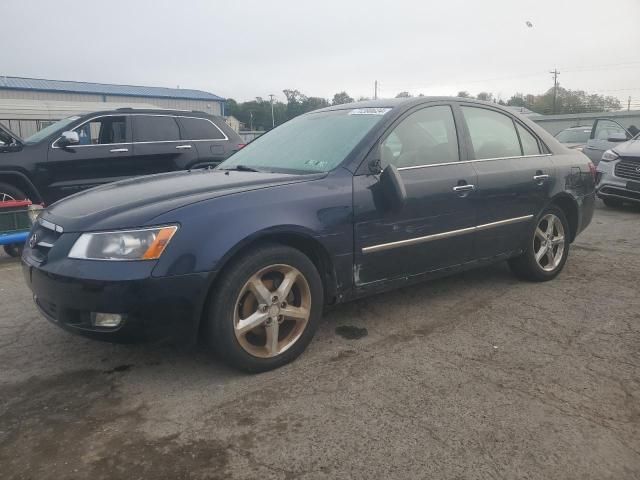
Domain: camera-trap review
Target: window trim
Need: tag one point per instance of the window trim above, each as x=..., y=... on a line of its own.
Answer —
x=429, y=165
x=53, y=144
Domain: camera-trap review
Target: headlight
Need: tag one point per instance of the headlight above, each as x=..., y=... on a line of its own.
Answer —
x=142, y=244
x=609, y=156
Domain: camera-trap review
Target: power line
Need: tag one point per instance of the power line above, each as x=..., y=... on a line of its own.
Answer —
x=555, y=87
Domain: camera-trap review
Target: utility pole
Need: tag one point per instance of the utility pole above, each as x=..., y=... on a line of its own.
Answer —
x=375, y=90
x=629, y=103
x=273, y=119
x=555, y=74
x=251, y=120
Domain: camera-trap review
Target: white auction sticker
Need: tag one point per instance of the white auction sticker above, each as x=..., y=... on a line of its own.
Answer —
x=369, y=111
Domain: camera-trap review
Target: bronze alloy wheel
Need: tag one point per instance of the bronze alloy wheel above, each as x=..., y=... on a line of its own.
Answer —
x=548, y=242
x=272, y=310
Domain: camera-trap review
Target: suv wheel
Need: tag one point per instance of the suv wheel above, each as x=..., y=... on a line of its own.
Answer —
x=266, y=309
x=547, y=250
x=9, y=193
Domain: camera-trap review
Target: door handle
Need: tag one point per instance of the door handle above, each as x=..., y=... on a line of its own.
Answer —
x=183, y=147
x=119, y=150
x=464, y=188
x=541, y=178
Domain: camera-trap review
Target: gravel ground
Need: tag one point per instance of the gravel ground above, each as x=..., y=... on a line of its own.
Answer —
x=474, y=376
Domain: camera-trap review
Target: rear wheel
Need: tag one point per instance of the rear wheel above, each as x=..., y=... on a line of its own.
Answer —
x=266, y=309
x=14, y=250
x=612, y=202
x=547, y=250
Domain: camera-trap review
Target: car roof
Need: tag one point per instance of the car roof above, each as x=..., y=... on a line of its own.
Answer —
x=407, y=102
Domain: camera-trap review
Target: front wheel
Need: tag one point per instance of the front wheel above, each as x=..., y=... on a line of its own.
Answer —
x=14, y=250
x=547, y=249
x=266, y=308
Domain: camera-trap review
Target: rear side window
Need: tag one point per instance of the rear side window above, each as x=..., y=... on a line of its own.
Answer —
x=148, y=128
x=200, y=129
x=493, y=135
x=529, y=143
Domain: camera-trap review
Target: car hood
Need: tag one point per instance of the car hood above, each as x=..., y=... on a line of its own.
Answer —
x=628, y=149
x=134, y=202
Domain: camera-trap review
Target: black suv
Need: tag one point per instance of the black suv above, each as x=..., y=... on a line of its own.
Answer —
x=80, y=152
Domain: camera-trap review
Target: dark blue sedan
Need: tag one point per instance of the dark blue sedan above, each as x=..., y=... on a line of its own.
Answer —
x=331, y=206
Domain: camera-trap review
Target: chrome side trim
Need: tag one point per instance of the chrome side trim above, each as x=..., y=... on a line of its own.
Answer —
x=438, y=236
x=473, y=161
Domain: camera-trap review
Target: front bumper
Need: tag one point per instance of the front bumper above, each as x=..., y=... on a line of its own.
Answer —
x=152, y=308
x=611, y=186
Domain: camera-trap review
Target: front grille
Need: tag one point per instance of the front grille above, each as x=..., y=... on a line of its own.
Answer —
x=46, y=235
x=628, y=168
x=620, y=192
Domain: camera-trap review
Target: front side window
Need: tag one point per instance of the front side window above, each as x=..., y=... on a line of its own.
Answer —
x=200, y=129
x=103, y=131
x=315, y=142
x=425, y=137
x=606, y=129
x=529, y=143
x=493, y=134
x=155, y=128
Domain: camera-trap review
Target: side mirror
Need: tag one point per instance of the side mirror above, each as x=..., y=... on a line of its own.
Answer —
x=617, y=137
x=393, y=187
x=69, y=138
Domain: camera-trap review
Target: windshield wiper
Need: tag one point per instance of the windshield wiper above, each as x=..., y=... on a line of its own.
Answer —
x=242, y=168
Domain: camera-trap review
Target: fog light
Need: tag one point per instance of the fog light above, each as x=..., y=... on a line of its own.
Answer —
x=106, y=320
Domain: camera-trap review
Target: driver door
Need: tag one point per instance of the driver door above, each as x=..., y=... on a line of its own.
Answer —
x=434, y=229
x=605, y=134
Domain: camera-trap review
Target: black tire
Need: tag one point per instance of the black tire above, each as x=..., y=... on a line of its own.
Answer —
x=612, y=202
x=219, y=329
x=14, y=250
x=526, y=266
x=9, y=192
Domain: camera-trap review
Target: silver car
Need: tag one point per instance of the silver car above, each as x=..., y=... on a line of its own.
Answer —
x=618, y=174
x=605, y=134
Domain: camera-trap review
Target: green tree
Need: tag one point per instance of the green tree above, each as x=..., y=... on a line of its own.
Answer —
x=403, y=95
x=341, y=98
x=486, y=96
x=464, y=94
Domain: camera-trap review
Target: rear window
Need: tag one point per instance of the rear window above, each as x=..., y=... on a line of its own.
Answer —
x=200, y=129
x=148, y=128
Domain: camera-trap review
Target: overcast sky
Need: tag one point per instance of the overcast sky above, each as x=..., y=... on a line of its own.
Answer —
x=250, y=48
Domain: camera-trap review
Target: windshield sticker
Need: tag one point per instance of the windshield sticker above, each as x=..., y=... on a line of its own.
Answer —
x=369, y=111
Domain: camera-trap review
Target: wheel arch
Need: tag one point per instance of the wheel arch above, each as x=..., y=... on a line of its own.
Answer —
x=294, y=237
x=22, y=182
x=569, y=207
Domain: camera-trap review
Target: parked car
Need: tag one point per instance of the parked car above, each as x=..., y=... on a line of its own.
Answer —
x=81, y=152
x=574, y=137
x=340, y=203
x=618, y=174
x=605, y=134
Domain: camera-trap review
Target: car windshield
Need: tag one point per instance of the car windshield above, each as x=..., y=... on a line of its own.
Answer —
x=45, y=132
x=317, y=142
x=574, y=136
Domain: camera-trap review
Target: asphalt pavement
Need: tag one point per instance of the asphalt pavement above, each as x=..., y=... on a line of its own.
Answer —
x=477, y=376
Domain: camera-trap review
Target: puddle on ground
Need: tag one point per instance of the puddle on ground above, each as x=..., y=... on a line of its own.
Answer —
x=350, y=332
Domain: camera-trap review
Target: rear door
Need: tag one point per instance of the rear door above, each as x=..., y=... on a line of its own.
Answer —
x=211, y=143
x=434, y=229
x=158, y=145
x=102, y=156
x=605, y=134
x=515, y=175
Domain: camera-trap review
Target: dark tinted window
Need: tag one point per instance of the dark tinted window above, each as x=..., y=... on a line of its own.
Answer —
x=199, y=129
x=425, y=137
x=529, y=143
x=493, y=134
x=147, y=128
x=103, y=131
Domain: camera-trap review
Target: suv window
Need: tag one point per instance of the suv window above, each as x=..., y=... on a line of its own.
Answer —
x=425, y=137
x=103, y=131
x=529, y=143
x=200, y=129
x=493, y=134
x=154, y=128
x=607, y=128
